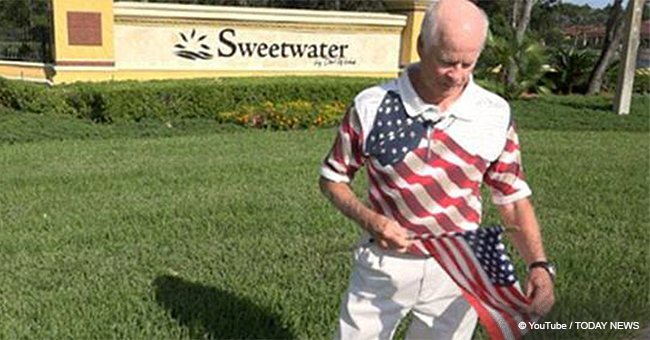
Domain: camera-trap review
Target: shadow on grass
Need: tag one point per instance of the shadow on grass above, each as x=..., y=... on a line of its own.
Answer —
x=208, y=312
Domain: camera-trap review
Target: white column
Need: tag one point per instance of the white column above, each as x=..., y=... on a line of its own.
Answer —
x=628, y=57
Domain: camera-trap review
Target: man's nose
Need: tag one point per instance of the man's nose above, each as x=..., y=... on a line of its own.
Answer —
x=456, y=73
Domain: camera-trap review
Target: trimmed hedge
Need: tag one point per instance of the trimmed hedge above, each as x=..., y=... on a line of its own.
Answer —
x=275, y=103
x=224, y=100
x=28, y=97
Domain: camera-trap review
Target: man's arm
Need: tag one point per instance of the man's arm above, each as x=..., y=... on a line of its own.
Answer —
x=387, y=233
x=527, y=240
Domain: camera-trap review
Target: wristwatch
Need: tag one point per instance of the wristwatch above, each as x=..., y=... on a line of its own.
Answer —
x=548, y=266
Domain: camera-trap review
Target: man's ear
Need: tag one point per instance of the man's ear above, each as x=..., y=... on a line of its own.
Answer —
x=420, y=47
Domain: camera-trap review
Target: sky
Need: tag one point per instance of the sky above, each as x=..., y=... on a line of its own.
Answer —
x=592, y=3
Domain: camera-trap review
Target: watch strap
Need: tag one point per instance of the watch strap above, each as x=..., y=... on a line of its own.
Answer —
x=545, y=265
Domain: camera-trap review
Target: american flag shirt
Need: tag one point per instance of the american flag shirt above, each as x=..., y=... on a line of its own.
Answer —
x=425, y=167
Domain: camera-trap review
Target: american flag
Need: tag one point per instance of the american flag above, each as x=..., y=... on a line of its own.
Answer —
x=476, y=260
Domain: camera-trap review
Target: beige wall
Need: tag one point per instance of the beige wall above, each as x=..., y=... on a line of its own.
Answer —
x=155, y=37
x=34, y=72
x=234, y=47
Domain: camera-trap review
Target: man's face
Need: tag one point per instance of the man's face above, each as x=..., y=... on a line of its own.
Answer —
x=446, y=67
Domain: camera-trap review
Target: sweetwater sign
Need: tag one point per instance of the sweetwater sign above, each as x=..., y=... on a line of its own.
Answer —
x=250, y=49
x=116, y=40
x=273, y=41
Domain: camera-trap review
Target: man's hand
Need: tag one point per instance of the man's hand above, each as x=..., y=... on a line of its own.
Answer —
x=539, y=288
x=389, y=234
x=528, y=241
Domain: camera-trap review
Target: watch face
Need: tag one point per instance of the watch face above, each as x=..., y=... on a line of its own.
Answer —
x=551, y=269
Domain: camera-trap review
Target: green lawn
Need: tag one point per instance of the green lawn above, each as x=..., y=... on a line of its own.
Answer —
x=190, y=233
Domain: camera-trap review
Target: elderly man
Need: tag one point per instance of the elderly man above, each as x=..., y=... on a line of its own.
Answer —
x=429, y=139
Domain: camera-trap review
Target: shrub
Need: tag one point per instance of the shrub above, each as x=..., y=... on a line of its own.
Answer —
x=571, y=69
x=280, y=102
x=88, y=103
x=31, y=97
x=641, y=79
x=529, y=58
x=285, y=116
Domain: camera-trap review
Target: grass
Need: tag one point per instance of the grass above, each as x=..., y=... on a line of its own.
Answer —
x=185, y=233
x=581, y=113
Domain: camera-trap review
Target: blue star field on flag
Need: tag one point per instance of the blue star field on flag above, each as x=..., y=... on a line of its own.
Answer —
x=394, y=133
x=490, y=252
x=476, y=260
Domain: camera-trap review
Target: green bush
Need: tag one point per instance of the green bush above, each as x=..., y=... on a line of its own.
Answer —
x=285, y=116
x=570, y=69
x=529, y=57
x=224, y=100
x=29, y=97
x=641, y=79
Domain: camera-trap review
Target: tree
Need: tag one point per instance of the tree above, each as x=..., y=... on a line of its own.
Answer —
x=521, y=11
x=517, y=15
x=572, y=67
x=518, y=57
x=613, y=36
x=529, y=61
x=545, y=23
x=25, y=30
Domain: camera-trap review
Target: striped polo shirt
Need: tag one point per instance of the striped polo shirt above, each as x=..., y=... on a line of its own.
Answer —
x=425, y=167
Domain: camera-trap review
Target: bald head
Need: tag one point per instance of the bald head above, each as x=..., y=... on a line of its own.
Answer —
x=459, y=20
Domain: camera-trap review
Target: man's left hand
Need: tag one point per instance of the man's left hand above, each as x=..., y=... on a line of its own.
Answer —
x=539, y=288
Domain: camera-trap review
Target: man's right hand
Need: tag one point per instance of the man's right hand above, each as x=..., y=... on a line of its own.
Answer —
x=389, y=235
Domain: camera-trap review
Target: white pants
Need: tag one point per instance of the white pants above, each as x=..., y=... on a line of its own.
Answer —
x=385, y=286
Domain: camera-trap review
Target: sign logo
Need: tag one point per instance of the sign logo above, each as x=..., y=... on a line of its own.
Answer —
x=193, y=48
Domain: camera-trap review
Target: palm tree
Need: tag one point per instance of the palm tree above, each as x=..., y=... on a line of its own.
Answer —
x=571, y=69
x=527, y=59
x=613, y=37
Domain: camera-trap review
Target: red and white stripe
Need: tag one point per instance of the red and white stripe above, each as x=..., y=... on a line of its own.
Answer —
x=435, y=190
x=500, y=308
x=505, y=176
x=346, y=155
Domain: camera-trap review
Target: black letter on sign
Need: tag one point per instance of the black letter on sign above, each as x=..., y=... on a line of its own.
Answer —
x=222, y=38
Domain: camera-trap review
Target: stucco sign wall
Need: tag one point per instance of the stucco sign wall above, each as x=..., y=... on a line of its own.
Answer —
x=244, y=48
x=159, y=37
x=112, y=40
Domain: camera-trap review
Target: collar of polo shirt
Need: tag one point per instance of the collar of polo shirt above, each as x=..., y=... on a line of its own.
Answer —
x=415, y=106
